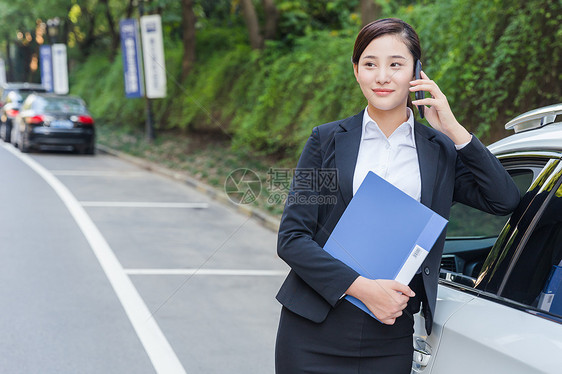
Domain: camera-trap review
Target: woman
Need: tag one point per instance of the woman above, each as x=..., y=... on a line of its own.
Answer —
x=319, y=330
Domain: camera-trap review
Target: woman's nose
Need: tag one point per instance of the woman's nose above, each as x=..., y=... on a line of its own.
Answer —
x=382, y=75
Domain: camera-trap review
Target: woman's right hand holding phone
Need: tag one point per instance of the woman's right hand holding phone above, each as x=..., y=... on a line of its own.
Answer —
x=385, y=298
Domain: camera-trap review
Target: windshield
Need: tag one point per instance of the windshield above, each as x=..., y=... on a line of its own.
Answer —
x=58, y=105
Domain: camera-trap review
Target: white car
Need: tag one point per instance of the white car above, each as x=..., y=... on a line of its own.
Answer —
x=499, y=303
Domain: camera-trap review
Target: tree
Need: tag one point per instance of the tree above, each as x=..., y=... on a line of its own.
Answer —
x=16, y=18
x=188, y=37
x=130, y=8
x=370, y=11
x=251, y=19
x=113, y=33
x=271, y=19
x=252, y=22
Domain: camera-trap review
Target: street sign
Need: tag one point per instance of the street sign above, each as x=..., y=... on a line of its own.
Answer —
x=46, y=65
x=153, y=56
x=132, y=71
x=60, y=69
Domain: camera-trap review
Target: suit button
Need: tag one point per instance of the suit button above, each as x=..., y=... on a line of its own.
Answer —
x=426, y=270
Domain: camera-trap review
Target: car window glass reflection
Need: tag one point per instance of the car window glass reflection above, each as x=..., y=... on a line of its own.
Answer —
x=535, y=279
x=471, y=234
x=514, y=235
x=468, y=222
x=54, y=105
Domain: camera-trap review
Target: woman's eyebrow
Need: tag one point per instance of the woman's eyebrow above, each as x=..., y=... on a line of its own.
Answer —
x=393, y=56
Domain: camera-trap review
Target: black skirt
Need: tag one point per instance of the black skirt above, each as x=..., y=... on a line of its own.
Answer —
x=349, y=341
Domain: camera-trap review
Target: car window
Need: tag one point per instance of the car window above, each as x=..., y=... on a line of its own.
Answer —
x=468, y=222
x=471, y=233
x=507, y=249
x=55, y=104
x=535, y=275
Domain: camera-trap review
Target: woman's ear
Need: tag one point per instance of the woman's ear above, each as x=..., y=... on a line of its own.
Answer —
x=356, y=71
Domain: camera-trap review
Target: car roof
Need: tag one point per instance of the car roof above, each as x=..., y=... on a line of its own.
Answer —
x=538, y=130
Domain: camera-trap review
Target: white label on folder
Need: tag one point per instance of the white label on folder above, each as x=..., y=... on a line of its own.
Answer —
x=411, y=265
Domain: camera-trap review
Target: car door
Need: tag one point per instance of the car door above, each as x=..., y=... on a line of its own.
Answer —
x=488, y=317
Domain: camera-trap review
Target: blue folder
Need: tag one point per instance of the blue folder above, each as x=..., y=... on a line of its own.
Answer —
x=384, y=233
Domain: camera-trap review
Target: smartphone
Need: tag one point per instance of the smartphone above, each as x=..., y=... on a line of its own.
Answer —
x=419, y=94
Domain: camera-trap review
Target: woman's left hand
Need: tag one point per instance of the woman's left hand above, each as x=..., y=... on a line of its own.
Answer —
x=439, y=114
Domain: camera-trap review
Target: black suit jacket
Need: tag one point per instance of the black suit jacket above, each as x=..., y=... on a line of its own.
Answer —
x=472, y=176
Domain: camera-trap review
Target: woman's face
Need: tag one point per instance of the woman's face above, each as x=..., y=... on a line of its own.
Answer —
x=384, y=71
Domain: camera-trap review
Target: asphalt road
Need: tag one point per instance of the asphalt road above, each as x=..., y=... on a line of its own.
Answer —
x=108, y=268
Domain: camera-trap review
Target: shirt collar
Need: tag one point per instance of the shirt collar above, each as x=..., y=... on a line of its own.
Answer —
x=367, y=119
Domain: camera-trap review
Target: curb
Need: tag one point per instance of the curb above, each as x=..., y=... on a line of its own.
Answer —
x=265, y=219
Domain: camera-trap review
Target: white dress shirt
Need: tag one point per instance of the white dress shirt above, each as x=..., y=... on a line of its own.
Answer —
x=394, y=158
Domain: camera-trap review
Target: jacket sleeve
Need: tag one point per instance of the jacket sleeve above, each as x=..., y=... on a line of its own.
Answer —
x=482, y=182
x=299, y=226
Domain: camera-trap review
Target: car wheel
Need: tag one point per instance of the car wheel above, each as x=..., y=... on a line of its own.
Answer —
x=15, y=136
x=7, y=132
x=90, y=150
x=23, y=146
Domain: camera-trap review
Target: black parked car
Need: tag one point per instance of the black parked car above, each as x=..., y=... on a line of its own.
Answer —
x=12, y=96
x=49, y=121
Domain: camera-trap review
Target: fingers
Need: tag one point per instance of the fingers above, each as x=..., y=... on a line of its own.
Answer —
x=421, y=86
x=394, y=292
x=428, y=101
x=405, y=290
x=387, y=299
x=390, y=320
x=424, y=79
x=430, y=87
x=426, y=84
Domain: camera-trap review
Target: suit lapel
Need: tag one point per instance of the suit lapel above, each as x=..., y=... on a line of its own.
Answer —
x=347, y=142
x=428, y=157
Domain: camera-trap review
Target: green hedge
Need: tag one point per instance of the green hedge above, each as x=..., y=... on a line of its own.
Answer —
x=493, y=59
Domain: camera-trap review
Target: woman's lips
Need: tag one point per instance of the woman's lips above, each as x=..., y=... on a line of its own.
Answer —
x=382, y=91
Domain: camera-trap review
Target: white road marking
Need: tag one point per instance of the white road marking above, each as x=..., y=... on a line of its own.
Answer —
x=236, y=272
x=140, y=204
x=98, y=173
x=159, y=351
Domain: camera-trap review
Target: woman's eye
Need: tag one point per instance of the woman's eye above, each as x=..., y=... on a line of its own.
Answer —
x=370, y=64
x=395, y=65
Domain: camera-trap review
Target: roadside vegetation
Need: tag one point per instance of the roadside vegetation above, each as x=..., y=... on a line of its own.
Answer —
x=247, y=80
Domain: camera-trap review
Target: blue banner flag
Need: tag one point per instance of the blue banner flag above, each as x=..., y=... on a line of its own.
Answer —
x=46, y=65
x=131, y=58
